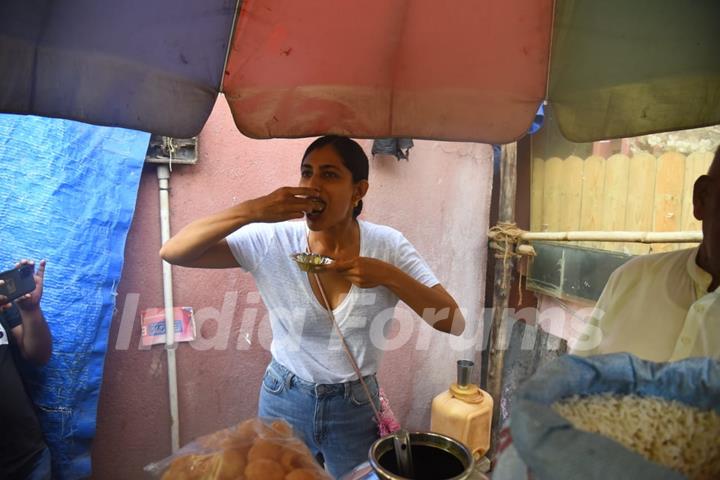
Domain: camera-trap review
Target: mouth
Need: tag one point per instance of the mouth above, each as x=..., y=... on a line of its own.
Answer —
x=318, y=209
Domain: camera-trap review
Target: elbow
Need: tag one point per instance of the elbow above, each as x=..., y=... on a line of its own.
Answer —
x=457, y=324
x=453, y=321
x=169, y=255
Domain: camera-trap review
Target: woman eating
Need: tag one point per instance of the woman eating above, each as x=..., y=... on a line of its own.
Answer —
x=311, y=381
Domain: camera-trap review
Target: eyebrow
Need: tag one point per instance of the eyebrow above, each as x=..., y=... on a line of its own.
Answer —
x=322, y=167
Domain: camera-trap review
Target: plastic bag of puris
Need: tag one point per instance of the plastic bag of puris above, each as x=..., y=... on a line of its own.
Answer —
x=256, y=449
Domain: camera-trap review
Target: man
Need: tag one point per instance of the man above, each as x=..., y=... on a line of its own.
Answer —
x=24, y=336
x=666, y=306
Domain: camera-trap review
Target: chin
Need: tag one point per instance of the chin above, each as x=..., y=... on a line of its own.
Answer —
x=321, y=223
x=314, y=224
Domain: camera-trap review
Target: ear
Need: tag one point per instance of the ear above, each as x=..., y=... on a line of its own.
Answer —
x=361, y=189
x=700, y=191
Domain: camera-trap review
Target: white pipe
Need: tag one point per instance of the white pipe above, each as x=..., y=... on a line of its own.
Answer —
x=163, y=174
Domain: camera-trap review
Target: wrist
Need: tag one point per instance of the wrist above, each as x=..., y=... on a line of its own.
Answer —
x=28, y=308
x=246, y=212
x=391, y=276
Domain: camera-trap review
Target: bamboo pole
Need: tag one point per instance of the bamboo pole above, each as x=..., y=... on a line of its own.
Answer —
x=601, y=236
x=504, y=268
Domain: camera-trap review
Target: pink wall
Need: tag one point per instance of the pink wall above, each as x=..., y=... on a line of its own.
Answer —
x=439, y=199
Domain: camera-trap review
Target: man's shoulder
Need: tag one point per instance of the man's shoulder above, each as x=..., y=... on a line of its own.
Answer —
x=663, y=262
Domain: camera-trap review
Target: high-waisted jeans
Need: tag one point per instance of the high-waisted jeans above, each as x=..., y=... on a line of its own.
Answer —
x=335, y=420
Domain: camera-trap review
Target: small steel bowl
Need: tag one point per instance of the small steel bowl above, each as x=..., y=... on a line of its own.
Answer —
x=311, y=262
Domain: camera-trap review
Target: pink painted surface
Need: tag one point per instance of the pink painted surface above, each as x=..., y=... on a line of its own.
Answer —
x=439, y=200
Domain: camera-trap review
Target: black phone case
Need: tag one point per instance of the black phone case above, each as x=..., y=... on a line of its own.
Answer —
x=18, y=282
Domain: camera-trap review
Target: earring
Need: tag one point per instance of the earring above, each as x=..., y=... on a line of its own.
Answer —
x=356, y=203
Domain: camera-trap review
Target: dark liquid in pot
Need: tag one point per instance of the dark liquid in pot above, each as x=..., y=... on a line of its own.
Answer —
x=429, y=463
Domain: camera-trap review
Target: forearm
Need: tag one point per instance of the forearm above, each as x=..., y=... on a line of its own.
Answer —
x=199, y=236
x=36, y=339
x=431, y=304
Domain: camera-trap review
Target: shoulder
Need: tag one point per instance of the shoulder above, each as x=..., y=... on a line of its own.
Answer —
x=656, y=263
x=382, y=233
x=649, y=270
x=290, y=227
x=290, y=231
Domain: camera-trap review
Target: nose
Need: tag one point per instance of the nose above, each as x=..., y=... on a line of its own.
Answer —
x=315, y=182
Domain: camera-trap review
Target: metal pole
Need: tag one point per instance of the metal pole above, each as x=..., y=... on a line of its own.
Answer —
x=163, y=174
x=504, y=268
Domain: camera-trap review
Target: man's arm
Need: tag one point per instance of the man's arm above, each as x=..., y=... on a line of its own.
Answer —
x=32, y=335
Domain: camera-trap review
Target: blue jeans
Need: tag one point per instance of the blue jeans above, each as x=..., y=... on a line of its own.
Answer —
x=335, y=420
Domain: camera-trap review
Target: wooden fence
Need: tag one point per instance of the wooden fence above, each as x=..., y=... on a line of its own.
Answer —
x=642, y=193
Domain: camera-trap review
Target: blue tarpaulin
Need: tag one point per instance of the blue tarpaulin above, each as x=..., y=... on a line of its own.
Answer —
x=68, y=193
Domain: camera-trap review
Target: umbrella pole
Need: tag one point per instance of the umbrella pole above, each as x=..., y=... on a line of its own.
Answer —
x=504, y=267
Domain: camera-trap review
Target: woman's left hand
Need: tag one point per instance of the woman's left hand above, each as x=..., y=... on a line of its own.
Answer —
x=363, y=272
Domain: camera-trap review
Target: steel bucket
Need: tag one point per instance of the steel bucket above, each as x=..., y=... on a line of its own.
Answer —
x=434, y=457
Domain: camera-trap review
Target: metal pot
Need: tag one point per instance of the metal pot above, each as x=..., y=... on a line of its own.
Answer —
x=432, y=457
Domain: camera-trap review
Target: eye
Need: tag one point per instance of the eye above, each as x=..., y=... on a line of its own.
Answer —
x=329, y=174
x=306, y=173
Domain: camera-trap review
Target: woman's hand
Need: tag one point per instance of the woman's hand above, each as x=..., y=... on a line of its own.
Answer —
x=433, y=304
x=363, y=272
x=285, y=203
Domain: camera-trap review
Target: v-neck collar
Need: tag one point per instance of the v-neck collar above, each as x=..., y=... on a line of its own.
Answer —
x=306, y=276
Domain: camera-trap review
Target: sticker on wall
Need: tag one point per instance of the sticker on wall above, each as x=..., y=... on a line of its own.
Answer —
x=152, y=321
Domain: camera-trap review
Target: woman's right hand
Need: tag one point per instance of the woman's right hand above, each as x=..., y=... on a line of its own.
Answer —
x=285, y=203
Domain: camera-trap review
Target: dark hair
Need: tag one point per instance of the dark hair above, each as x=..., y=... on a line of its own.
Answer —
x=352, y=156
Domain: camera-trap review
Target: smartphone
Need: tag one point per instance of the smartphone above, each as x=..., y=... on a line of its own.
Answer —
x=18, y=282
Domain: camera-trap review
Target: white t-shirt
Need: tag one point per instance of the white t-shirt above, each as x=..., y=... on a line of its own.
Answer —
x=303, y=337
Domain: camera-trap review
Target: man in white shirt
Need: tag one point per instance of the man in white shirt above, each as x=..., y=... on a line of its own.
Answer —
x=665, y=306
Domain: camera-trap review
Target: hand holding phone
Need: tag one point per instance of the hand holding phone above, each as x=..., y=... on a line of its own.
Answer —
x=17, y=282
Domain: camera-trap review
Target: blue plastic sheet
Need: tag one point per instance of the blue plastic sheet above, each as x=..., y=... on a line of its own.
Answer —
x=552, y=448
x=68, y=194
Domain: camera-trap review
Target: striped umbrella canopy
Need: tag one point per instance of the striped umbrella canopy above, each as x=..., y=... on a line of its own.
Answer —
x=473, y=70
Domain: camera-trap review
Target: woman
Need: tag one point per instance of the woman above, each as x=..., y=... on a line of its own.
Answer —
x=310, y=381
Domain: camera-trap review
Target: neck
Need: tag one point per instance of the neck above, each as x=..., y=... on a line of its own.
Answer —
x=335, y=240
x=704, y=262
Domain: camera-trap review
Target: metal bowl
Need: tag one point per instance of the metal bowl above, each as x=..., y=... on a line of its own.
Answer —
x=311, y=262
x=432, y=450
